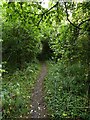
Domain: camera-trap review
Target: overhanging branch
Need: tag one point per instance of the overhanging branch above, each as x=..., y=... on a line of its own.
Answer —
x=46, y=13
x=68, y=17
x=84, y=22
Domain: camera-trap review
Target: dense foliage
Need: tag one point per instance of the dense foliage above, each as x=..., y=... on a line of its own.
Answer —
x=65, y=91
x=60, y=33
x=21, y=42
x=16, y=91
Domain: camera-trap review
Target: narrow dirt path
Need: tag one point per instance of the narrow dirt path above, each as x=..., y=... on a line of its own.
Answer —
x=38, y=109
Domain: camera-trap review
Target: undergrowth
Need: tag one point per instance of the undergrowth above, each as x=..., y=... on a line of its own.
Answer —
x=16, y=91
x=65, y=91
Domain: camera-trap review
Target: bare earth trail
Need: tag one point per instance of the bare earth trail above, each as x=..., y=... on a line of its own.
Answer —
x=38, y=109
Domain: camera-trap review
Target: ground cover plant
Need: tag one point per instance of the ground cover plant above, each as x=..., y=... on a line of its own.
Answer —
x=65, y=90
x=16, y=91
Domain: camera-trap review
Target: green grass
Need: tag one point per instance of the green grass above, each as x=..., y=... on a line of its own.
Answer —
x=16, y=91
x=65, y=91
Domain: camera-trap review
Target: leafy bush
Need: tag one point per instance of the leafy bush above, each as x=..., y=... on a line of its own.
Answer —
x=16, y=91
x=65, y=89
x=19, y=44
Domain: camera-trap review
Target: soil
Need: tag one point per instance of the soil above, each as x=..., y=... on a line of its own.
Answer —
x=38, y=108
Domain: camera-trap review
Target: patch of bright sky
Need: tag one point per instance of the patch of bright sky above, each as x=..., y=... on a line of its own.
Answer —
x=77, y=1
x=45, y=3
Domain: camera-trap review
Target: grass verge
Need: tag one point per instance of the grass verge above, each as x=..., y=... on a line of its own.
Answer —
x=65, y=91
x=16, y=91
